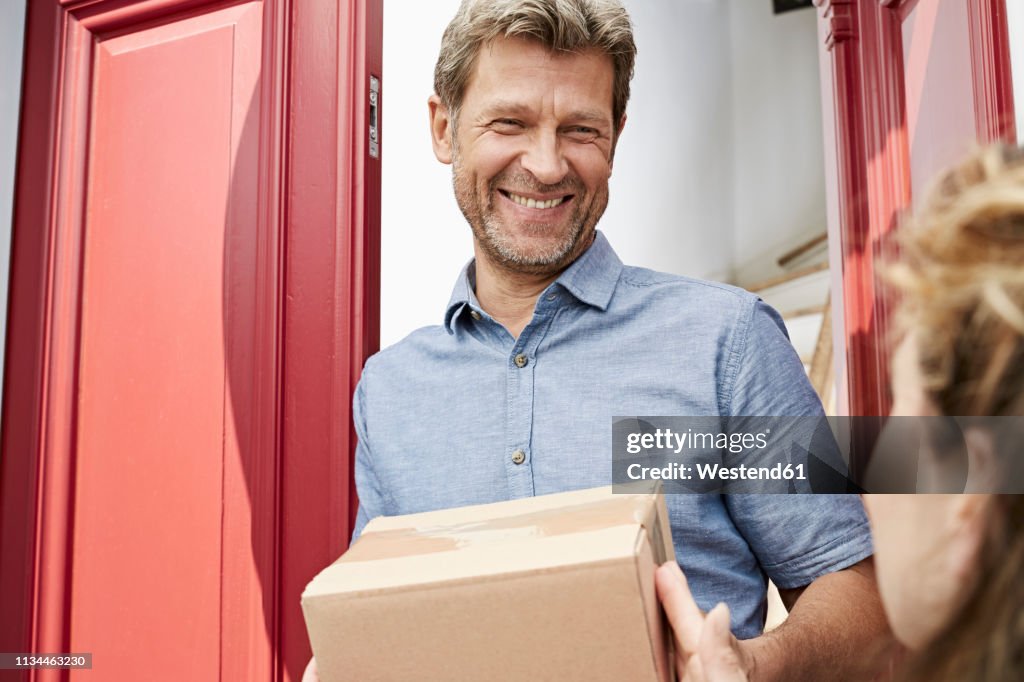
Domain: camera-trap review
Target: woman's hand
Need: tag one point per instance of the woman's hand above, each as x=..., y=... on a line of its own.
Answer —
x=706, y=650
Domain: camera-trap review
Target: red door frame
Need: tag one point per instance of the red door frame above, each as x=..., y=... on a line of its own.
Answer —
x=868, y=169
x=322, y=251
x=333, y=246
x=990, y=60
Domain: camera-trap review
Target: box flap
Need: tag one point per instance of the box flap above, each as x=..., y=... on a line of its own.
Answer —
x=518, y=535
x=477, y=562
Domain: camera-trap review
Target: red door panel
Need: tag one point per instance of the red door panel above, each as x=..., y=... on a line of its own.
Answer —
x=939, y=84
x=151, y=403
x=194, y=288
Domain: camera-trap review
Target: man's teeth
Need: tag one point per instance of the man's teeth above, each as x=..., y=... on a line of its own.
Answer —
x=533, y=203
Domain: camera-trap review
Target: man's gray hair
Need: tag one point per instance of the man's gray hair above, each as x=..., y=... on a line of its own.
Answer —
x=559, y=25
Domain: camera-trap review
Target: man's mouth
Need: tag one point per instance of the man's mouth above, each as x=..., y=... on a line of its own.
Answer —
x=529, y=202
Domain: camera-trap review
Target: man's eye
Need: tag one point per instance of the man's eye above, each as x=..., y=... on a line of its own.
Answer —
x=506, y=124
x=582, y=133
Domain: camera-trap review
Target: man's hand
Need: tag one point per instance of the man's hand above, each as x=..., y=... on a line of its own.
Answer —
x=311, y=675
x=706, y=650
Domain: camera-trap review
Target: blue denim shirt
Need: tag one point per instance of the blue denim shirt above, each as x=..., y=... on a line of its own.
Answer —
x=442, y=414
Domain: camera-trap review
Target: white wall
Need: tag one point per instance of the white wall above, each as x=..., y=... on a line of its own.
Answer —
x=671, y=193
x=721, y=157
x=779, y=144
x=424, y=238
x=12, y=28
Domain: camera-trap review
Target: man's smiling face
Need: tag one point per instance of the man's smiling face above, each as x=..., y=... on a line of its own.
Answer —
x=532, y=152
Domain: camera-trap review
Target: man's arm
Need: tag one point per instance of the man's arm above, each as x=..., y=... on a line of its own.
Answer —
x=835, y=630
x=836, y=616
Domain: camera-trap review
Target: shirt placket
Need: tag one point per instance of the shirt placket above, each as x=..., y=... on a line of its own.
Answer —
x=521, y=369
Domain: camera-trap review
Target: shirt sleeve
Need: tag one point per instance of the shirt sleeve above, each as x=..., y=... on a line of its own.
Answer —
x=367, y=486
x=796, y=538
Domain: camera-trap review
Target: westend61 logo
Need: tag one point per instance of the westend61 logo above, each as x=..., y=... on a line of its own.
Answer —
x=667, y=439
x=716, y=472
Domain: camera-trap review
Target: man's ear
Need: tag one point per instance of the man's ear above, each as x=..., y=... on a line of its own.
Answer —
x=440, y=129
x=615, y=140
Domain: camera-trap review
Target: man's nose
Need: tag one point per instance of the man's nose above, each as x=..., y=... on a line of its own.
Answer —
x=544, y=159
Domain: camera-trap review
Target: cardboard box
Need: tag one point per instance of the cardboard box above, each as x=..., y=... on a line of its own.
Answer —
x=558, y=587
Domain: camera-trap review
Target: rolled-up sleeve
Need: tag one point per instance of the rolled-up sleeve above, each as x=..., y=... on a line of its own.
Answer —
x=796, y=538
x=799, y=538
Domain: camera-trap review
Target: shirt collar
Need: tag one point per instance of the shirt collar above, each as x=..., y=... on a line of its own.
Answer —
x=591, y=278
x=462, y=296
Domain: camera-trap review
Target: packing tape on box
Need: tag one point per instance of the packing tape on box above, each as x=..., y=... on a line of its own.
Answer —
x=619, y=510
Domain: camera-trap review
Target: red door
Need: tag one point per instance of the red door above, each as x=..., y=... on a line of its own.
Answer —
x=193, y=292
x=909, y=86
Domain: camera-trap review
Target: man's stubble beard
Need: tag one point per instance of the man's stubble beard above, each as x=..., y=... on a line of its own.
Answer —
x=495, y=240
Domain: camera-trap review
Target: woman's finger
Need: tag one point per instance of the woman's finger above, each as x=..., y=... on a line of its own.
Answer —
x=718, y=650
x=683, y=613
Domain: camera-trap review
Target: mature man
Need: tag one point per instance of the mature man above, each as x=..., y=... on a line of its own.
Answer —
x=547, y=336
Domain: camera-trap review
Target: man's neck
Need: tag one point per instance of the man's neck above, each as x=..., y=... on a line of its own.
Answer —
x=507, y=296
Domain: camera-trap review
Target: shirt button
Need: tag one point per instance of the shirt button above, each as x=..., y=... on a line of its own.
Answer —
x=521, y=361
x=475, y=315
x=518, y=457
x=552, y=297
